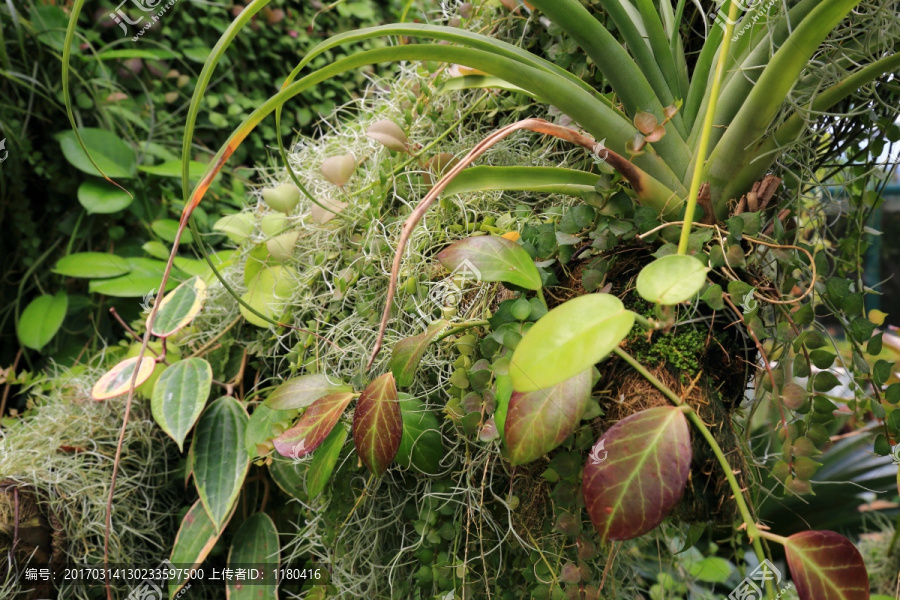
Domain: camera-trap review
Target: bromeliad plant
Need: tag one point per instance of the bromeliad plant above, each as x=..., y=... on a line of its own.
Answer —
x=678, y=138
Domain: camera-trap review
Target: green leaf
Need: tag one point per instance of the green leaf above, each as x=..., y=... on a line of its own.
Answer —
x=128, y=286
x=49, y=22
x=644, y=474
x=102, y=197
x=179, y=396
x=179, y=307
x=167, y=229
x=196, y=537
x=421, y=445
x=220, y=460
x=712, y=569
x=300, y=392
x=264, y=425
x=172, y=168
x=255, y=545
x=825, y=381
x=539, y=421
x=314, y=426
x=491, y=258
x=324, y=460
x=267, y=293
x=289, y=475
x=408, y=352
x=91, y=265
x=117, y=381
x=41, y=319
x=671, y=279
x=543, y=180
x=825, y=565
x=569, y=339
x=378, y=424
x=112, y=155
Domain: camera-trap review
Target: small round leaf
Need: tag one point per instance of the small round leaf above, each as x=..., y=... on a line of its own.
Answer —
x=671, y=279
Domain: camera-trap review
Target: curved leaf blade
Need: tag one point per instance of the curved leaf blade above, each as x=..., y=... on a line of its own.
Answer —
x=179, y=307
x=196, y=537
x=300, y=392
x=409, y=351
x=378, y=424
x=179, y=396
x=671, y=279
x=826, y=566
x=220, y=459
x=314, y=426
x=492, y=258
x=324, y=461
x=545, y=180
x=41, y=319
x=539, y=421
x=255, y=545
x=91, y=265
x=569, y=339
x=117, y=381
x=114, y=157
x=643, y=474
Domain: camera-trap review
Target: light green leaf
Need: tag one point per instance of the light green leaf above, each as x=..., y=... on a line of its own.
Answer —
x=265, y=424
x=671, y=279
x=102, y=197
x=172, y=168
x=220, y=460
x=255, y=545
x=267, y=293
x=712, y=569
x=544, y=180
x=117, y=380
x=167, y=229
x=179, y=307
x=41, y=319
x=491, y=258
x=300, y=392
x=179, y=396
x=91, y=265
x=324, y=460
x=111, y=154
x=569, y=339
x=408, y=352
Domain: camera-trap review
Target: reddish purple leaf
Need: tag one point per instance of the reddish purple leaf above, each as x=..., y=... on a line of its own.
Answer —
x=539, y=421
x=314, y=426
x=641, y=473
x=826, y=566
x=378, y=424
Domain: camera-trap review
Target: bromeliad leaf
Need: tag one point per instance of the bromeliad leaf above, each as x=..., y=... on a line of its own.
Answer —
x=408, y=352
x=378, y=424
x=491, y=258
x=255, y=545
x=220, y=460
x=117, y=380
x=642, y=475
x=314, y=426
x=179, y=396
x=179, y=307
x=539, y=421
x=300, y=392
x=671, y=279
x=324, y=461
x=41, y=319
x=568, y=340
x=826, y=566
x=196, y=537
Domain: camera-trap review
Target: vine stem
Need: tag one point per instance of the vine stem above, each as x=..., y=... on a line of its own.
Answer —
x=460, y=328
x=753, y=532
x=700, y=157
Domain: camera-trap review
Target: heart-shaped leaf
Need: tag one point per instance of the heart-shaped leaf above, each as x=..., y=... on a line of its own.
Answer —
x=117, y=381
x=324, y=461
x=220, y=459
x=339, y=169
x=642, y=474
x=267, y=293
x=314, y=426
x=91, y=265
x=421, y=445
x=389, y=134
x=255, y=545
x=41, y=319
x=300, y=392
x=196, y=537
x=408, y=352
x=672, y=279
x=491, y=258
x=539, y=421
x=378, y=424
x=569, y=339
x=179, y=307
x=282, y=198
x=826, y=566
x=179, y=396
x=238, y=227
x=327, y=211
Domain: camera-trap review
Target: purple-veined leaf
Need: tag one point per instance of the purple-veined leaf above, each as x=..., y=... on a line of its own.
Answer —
x=378, y=424
x=314, y=426
x=408, y=352
x=302, y=391
x=826, y=566
x=539, y=421
x=117, y=380
x=491, y=258
x=641, y=475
